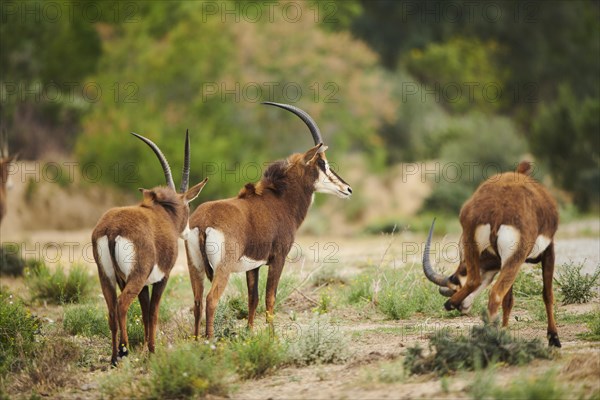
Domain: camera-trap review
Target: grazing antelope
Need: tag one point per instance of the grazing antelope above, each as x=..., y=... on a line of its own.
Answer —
x=136, y=247
x=257, y=227
x=5, y=184
x=510, y=220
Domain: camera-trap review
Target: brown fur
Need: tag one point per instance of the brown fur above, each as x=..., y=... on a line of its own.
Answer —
x=260, y=223
x=515, y=199
x=153, y=227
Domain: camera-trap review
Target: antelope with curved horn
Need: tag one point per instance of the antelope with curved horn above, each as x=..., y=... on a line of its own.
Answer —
x=510, y=220
x=257, y=227
x=5, y=160
x=136, y=247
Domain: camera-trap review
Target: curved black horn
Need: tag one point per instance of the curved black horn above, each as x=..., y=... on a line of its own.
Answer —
x=161, y=158
x=185, y=176
x=307, y=119
x=432, y=275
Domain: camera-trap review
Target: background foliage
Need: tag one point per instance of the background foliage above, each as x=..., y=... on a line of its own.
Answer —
x=388, y=80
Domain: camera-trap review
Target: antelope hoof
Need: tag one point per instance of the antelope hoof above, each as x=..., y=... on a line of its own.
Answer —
x=449, y=306
x=553, y=340
x=123, y=352
x=114, y=363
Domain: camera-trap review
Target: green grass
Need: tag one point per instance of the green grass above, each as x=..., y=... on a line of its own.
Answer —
x=576, y=287
x=256, y=355
x=58, y=286
x=593, y=323
x=18, y=331
x=538, y=387
x=86, y=320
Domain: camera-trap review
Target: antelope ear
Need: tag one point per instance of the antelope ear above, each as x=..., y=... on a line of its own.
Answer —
x=192, y=193
x=149, y=195
x=310, y=155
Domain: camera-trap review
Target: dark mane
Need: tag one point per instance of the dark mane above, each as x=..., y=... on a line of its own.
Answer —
x=274, y=179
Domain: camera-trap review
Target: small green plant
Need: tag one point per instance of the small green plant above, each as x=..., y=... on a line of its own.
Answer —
x=256, y=355
x=320, y=343
x=18, y=329
x=328, y=276
x=486, y=344
x=405, y=293
x=528, y=284
x=325, y=302
x=189, y=370
x=86, y=320
x=11, y=263
x=576, y=287
x=360, y=289
x=593, y=324
x=59, y=286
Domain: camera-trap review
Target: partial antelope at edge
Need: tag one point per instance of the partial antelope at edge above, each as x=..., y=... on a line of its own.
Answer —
x=511, y=219
x=257, y=227
x=136, y=247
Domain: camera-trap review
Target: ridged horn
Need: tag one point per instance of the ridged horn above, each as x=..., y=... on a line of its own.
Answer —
x=161, y=158
x=307, y=119
x=430, y=273
x=185, y=176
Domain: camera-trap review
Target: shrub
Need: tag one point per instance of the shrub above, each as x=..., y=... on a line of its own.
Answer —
x=405, y=293
x=485, y=344
x=189, y=370
x=576, y=287
x=361, y=289
x=86, y=320
x=58, y=287
x=256, y=355
x=10, y=262
x=321, y=343
x=18, y=330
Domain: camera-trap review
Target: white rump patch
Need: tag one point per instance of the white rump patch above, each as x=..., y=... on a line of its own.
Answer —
x=247, y=264
x=155, y=276
x=541, y=243
x=508, y=241
x=214, y=245
x=193, y=248
x=105, y=260
x=124, y=255
x=482, y=237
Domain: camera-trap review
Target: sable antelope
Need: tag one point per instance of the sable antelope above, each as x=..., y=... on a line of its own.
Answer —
x=257, y=227
x=5, y=184
x=510, y=220
x=136, y=247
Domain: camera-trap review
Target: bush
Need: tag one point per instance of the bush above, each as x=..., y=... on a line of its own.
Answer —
x=576, y=287
x=256, y=355
x=18, y=329
x=485, y=344
x=86, y=320
x=58, y=287
x=189, y=370
x=10, y=262
x=321, y=343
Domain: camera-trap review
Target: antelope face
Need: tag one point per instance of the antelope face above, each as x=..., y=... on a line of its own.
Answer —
x=328, y=181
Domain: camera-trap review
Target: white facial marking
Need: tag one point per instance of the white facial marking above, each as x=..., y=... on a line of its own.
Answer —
x=105, y=260
x=541, y=243
x=508, y=240
x=124, y=255
x=482, y=237
x=467, y=303
x=193, y=248
x=156, y=275
x=327, y=182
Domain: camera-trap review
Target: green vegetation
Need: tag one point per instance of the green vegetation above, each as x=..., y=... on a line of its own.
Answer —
x=11, y=263
x=321, y=343
x=18, y=331
x=544, y=386
x=593, y=323
x=256, y=355
x=576, y=287
x=484, y=345
x=86, y=320
x=58, y=286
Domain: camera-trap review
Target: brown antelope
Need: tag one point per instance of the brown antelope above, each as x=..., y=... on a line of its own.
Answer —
x=5, y=160
x=135, y=247
x=510, y=220
x=257, y=227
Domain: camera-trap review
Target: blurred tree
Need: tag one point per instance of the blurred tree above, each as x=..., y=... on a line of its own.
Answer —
x=562, y=138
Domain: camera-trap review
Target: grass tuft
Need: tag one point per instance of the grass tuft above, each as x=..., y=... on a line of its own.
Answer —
x=256, y=355
x=59, y=286
x=486, y=344
x=320, y=343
